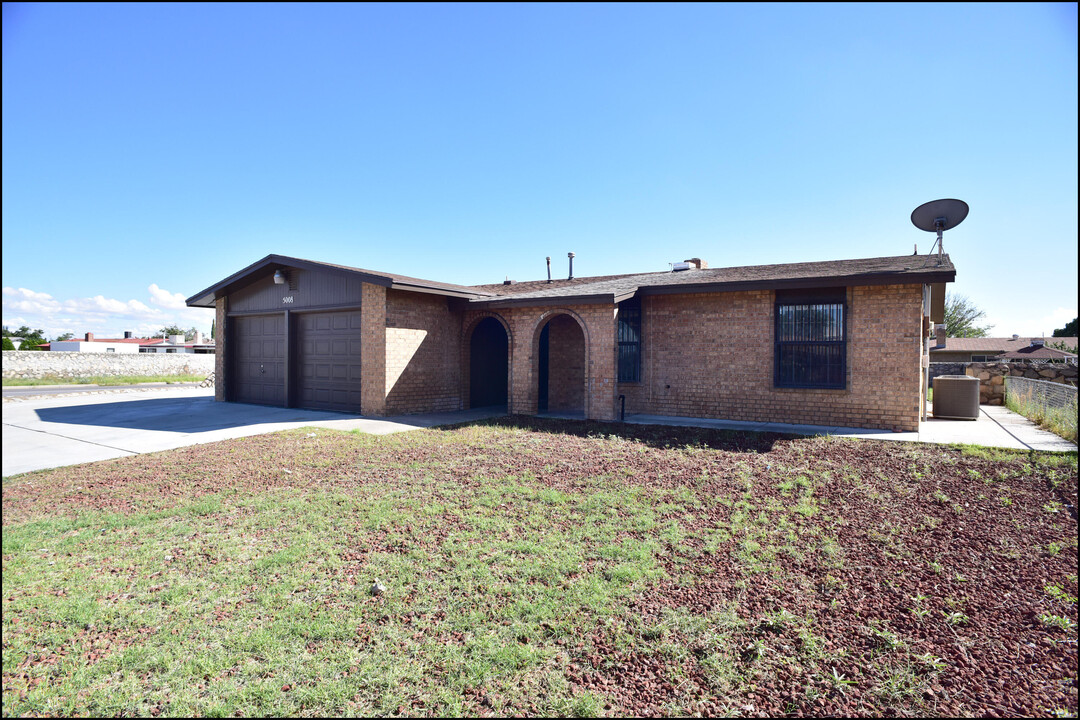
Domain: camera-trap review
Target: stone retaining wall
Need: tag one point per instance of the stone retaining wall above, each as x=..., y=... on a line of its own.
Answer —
x=36, y=365
x=992, y=377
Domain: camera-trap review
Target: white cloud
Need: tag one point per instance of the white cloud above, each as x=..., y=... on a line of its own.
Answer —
x=103, y=316
x=29, y=294
x=164, y=298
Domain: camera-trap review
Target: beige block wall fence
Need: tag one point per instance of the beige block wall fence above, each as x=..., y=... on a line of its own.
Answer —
x=704, y=355
x=35, y=365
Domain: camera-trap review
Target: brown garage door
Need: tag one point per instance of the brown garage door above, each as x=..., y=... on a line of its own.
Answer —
x=329, y=360
x=259, y=364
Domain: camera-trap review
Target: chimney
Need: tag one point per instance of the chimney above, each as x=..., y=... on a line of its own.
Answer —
x=571, y=256
x=698, y=263
x=89, y=337
x=127, y=334
x=198, y=338
x=939, y=333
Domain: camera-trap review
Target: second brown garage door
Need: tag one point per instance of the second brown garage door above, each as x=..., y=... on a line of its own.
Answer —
x=329, y=361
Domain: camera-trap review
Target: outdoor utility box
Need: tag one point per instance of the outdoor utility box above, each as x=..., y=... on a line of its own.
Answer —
x=956, y=397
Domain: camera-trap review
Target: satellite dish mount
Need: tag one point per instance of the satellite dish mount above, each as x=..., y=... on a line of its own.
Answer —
x=939, y=216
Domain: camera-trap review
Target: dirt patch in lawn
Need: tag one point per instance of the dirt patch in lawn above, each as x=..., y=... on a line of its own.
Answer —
x=759, y=574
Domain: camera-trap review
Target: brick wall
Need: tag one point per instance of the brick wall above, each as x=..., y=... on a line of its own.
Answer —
x=422, y=354
x=222, y=349
x=373, y=350
x=711, y=355
x=597, y=323
x=566, y=365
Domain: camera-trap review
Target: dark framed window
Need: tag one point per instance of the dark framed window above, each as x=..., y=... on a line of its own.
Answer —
x=630, y=341
x=811, y=339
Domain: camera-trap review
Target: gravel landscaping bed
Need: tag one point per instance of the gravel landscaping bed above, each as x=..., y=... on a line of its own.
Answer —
x=545, y=567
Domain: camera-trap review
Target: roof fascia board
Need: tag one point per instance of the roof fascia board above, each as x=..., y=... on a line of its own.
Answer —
x=599, y=299
x=801, y=283
x=206, y=297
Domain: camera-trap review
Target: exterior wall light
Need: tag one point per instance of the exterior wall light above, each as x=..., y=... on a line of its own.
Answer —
x=279, y=277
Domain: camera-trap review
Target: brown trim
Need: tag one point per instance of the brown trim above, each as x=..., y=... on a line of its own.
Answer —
x=206, y=297
x=296, y=311
x=557, y=300
x=800, y=283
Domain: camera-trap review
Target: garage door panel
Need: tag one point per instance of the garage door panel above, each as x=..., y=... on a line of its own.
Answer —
x=329, y=360
x=259, y=362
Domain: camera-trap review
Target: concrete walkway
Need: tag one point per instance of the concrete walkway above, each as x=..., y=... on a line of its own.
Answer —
x=48, y=432
x=996, y=427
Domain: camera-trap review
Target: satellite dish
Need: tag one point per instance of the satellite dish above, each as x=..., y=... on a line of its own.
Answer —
x=939, y=216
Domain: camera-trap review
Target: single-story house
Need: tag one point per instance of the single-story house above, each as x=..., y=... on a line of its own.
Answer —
x=832, y=343
x=177, y=344
x=89, y=343
x=951, y=349
x=1037, y=351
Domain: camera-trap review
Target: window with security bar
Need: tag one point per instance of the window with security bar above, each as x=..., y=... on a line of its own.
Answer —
x=630, y=341
x=811, y=339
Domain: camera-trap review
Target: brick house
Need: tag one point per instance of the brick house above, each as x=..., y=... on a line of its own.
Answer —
x=830, y=343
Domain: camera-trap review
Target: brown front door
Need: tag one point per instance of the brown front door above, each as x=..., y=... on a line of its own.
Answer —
x=329, y=361
x=259, y=359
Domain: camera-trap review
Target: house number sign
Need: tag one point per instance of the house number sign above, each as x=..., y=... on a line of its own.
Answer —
x=287, y=299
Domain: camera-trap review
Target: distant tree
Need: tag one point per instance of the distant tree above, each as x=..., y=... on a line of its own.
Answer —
x=960, y=317
x=31, y=338
x=212, y=328
x=1062, y=346
x=65, y=336
x=188, y=334
x=8, y=345
x=1068, y=331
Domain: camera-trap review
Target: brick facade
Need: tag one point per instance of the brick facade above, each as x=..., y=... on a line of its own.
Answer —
x=423, y=371
x=703, y=355
x=373, y=349
x=222, y=349
x=711, y=355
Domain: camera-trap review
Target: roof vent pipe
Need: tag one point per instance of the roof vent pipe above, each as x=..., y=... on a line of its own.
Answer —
x=571, y=256
x=549, y=268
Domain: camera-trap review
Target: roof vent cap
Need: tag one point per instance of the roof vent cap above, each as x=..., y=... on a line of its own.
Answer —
x=1015, y=336
x=1037, y=342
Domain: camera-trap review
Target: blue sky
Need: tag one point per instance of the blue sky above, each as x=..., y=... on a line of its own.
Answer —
x=152, y=150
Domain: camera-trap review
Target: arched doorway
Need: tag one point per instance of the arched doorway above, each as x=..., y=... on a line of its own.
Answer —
x=561, y=367
x=488, y=364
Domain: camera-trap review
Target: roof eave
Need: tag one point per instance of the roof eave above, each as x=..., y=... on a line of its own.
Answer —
x=207, y=297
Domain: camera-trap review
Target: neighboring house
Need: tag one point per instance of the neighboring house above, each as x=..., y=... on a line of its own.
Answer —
x=1037, y=351
x=982, y=349
x=89, y=343
x=177, y=344
x=832, y=343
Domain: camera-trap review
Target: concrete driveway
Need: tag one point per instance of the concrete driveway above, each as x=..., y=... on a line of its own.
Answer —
x=48, y=432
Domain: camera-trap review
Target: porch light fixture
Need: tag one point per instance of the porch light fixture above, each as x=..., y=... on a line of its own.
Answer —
x=279, y=277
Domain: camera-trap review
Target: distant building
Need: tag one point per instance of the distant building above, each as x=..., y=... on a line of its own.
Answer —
x=129, y=344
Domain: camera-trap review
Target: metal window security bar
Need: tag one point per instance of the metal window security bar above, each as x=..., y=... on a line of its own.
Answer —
x=629, y=337
x=811, y=344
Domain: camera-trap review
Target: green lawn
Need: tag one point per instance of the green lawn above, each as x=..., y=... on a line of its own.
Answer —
x=527, y=571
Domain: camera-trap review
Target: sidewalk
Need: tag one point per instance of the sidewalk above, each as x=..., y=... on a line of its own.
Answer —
x=997, y=426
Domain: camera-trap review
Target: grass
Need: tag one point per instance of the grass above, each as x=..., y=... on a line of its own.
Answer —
x=526, y=572
x=1060, y=421
x=102, y=380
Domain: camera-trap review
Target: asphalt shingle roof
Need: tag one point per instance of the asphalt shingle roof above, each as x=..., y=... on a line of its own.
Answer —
x=904, y=268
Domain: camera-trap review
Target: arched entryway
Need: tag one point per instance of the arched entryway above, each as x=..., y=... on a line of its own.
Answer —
x=561, y=367
x=488, y=364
